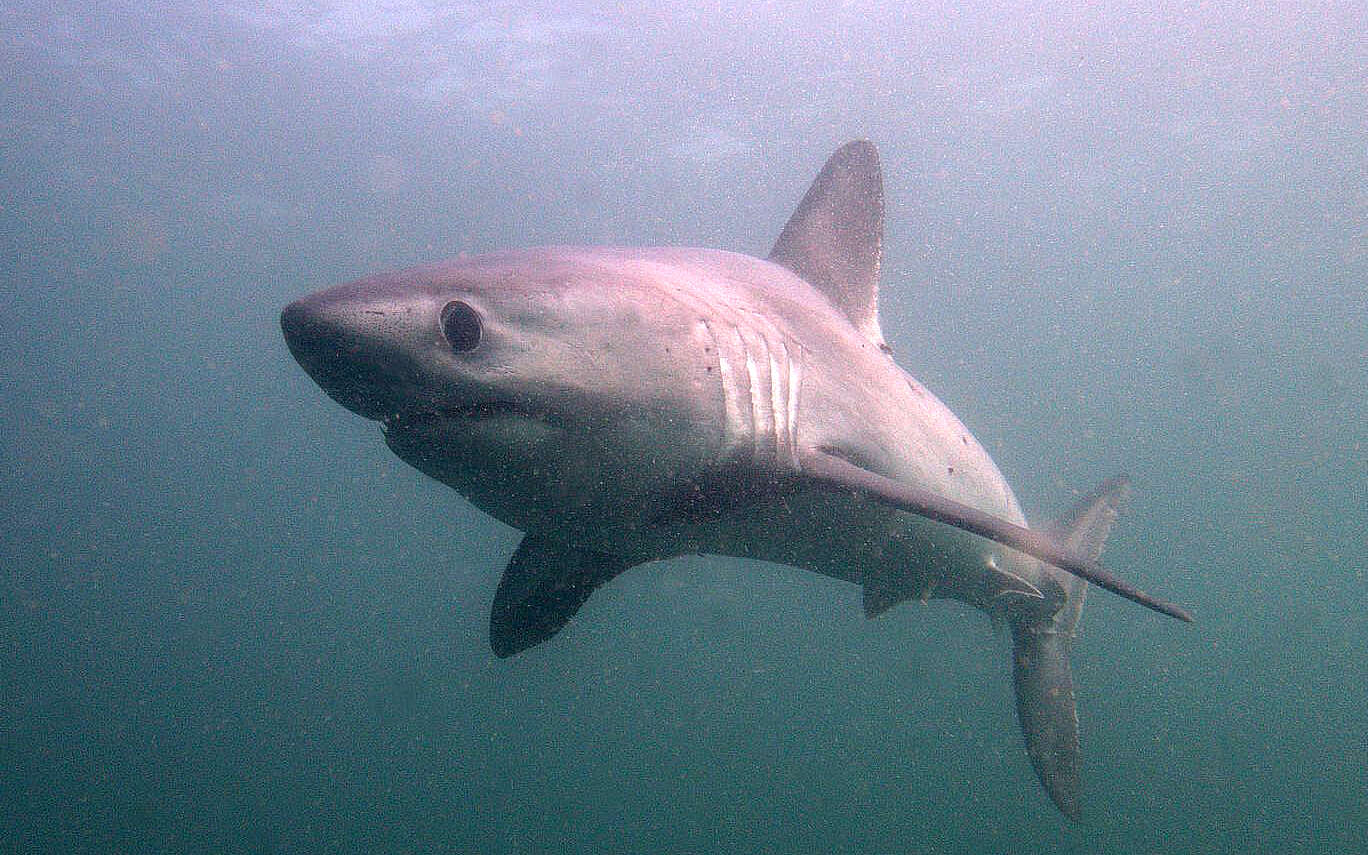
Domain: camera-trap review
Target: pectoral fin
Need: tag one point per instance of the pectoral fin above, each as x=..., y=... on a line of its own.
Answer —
x=826, y=471
x=543, y=586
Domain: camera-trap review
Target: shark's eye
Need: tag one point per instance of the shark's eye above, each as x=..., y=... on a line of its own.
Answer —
x=461, y=326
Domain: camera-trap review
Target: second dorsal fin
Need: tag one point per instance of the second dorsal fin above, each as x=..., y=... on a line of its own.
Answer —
x=835, y=237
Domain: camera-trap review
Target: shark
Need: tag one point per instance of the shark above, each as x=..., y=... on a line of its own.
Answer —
x=621, y=406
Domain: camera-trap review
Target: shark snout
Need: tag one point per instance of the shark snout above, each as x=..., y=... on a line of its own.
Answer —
x=319, y=336
x=349, y=349
x=306, y=329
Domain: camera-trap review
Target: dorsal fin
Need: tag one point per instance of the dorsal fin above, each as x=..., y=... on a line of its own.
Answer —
x=835, y=238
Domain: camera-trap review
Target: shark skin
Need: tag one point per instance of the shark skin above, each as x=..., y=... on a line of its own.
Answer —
x=626, y=405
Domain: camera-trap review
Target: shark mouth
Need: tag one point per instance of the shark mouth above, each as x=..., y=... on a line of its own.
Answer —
x=417, y=419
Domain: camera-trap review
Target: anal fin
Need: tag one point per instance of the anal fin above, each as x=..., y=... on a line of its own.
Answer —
x=543, y=586
x=886, y=583
x=879, y=598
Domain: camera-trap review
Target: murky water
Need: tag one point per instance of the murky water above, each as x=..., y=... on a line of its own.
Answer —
x=1118, y=240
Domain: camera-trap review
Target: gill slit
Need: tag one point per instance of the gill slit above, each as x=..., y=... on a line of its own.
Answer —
x=761, y=378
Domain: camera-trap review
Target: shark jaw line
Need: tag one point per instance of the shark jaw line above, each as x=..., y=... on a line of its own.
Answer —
x=427, y=417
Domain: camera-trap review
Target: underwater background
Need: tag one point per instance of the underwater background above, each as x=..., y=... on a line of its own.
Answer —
x=1121, y=237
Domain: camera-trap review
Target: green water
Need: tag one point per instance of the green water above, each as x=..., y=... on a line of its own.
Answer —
x=231, y=621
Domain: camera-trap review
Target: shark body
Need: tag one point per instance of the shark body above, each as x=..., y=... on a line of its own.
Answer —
x=621, y=406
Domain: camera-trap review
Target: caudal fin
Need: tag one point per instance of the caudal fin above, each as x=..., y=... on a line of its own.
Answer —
x=1040, y=653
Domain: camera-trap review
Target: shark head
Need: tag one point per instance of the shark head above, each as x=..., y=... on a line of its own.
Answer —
x=449, y=342
x=571, y=387
x=527, y=380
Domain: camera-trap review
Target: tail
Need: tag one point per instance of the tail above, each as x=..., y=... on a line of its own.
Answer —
x=1040, y=652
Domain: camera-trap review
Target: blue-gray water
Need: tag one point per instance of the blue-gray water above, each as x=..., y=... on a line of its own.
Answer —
x=1122, y=237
